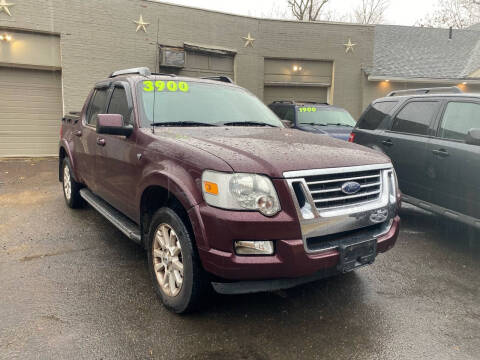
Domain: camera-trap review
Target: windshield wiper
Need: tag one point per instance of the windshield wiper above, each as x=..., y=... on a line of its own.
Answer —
x=182, y=123
x=313, y=124
x=247, y=123
x=340, y=124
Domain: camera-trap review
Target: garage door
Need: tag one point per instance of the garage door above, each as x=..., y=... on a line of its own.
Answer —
x=31, y=109
x=277, y=93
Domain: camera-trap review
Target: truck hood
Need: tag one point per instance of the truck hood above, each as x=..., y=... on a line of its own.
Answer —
x=272, y=151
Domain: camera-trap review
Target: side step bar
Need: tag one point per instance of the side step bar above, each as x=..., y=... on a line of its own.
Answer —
x=124, y=224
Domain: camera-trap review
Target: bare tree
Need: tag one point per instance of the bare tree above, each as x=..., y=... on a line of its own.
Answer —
x=456, y=13
x=370, y=11
x=275, y=12
x=307, y=10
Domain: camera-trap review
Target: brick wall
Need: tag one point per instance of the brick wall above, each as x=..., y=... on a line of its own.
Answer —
x=98, y=37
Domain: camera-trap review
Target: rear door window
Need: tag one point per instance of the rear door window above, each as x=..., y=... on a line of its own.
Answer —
x=97, y=106
x=374, y=115
x=119, y=105
x=459, y=118
x=415, y=117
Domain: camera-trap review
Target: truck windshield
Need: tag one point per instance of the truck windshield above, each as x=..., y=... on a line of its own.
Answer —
x=190, y=103
x=325, y=116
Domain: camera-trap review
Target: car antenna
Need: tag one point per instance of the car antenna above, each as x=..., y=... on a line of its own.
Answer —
x=157, y=64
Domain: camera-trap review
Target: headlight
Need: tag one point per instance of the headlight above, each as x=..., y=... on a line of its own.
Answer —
x=394, y=190
x=240, y=191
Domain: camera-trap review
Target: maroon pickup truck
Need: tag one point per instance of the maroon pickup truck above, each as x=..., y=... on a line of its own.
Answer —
x=205, y=177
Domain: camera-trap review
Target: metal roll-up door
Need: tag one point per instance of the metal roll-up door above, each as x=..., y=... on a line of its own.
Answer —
x=30, y=112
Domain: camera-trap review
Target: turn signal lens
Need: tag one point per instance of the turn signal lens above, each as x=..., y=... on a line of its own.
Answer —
x=210, y=187
x=351, y=138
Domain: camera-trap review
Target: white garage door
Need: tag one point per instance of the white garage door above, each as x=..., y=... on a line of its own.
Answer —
x=277, y=93
x=30, y=112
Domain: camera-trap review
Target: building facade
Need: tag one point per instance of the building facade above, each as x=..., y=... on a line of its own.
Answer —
x=53, y=51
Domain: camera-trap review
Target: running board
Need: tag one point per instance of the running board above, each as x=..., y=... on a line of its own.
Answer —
x=124, y=224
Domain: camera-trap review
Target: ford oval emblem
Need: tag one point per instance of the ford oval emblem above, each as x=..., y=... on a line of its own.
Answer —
x=351, y=187
x=379, y=216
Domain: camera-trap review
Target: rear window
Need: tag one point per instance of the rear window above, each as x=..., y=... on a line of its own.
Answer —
x=325, y=116
x=374, y=115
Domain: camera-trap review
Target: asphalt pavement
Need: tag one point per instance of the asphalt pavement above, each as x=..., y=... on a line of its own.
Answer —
x=73, y=287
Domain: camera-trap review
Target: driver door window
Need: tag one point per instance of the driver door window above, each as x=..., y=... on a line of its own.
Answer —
x=290, y=114
x=119, y=105
x=97, y=106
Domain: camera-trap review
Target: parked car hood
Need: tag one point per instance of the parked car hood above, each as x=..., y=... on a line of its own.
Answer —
x=272, y=151
x=338, y=132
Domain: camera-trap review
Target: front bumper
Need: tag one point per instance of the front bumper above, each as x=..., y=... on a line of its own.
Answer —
x=304, y=249
x=290, y=260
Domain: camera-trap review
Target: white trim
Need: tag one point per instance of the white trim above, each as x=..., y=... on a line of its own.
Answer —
x=423, y=80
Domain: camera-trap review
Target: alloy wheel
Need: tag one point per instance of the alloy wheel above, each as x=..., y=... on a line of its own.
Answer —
x=67, y=183
x=167, y=260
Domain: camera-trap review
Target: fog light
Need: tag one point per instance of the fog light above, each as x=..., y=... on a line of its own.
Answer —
x=254, y=247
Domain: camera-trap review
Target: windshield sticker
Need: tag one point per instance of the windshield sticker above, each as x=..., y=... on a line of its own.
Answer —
x=307, y=109
x=170, y=86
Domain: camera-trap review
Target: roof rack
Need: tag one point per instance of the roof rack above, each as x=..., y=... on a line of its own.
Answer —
x=144, y=71
x=164, y=74
x=312, y=102
x=434, y=90
x=299, y=102
x=221, y=78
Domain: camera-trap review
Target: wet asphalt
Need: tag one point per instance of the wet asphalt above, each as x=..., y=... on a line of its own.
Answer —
x=73, y=287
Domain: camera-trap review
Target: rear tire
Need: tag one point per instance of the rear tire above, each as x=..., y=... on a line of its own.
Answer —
x=177, y=275
x=71, y=189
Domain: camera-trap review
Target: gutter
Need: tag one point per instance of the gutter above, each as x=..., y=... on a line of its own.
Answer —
x=424, y=80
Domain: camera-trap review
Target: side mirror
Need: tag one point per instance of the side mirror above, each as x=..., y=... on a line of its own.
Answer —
x=473, y=137
x=112, y=124
x=287, y=123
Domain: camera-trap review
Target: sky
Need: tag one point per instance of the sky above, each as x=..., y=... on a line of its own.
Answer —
x=400, y=12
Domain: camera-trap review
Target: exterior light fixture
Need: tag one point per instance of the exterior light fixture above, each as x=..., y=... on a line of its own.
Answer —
x=5, y=37
x=387, y=80
x=464, y=83
x=297, y=68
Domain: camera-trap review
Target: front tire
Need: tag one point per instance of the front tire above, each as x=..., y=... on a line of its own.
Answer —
x=71, y=189
x=177, y=275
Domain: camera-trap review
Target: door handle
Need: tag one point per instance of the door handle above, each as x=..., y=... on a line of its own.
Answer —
x=101, y=141
x=441, y=152
x=387, y=142
x=77, y=133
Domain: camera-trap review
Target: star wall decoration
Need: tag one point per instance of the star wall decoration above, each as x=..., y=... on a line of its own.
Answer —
x=349, y=46
x=141, y=24
x=4, y=7
x=248, y=40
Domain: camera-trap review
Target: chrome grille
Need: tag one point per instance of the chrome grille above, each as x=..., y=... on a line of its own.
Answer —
x=326, y=189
